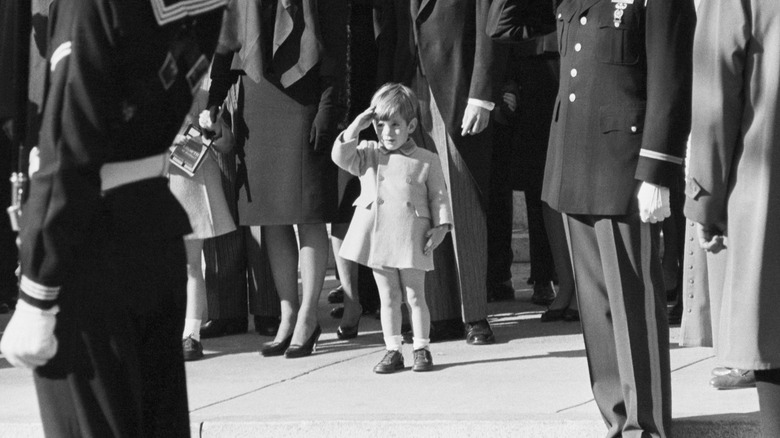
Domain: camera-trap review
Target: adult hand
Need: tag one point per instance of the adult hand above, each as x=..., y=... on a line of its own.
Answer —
x=29, y=339
x=435, y=236
x=323, y=129
x=8, y=128
x=475, y=120
x=653, y=202
x=510, y=100
x=711, y=238
x=208, y=122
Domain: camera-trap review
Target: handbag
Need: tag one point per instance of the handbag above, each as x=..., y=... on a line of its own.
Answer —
x=520, y=20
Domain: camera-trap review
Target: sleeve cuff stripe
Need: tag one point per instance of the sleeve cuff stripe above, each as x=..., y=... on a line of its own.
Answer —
x=660, y=156
x=38, y=291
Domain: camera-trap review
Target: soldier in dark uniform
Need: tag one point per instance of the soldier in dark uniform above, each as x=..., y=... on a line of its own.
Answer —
x=103, y=265
x=618, y=135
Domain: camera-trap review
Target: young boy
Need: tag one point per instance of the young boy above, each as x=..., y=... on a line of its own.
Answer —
x=402, y=214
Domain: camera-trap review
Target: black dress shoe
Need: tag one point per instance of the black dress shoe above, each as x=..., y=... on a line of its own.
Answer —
x=296, y=350
x=345, y=333
x=479, y=333
x=553, y=315
x=336, y=295
x=266, y=325
x=500, y=292
x=392, y=362
x=269, y=349
x=192, y=349
x=4, y=308
x=445, y=330
x=214, y=328
x=544, y=294
x=337, y=312
x=675, y=314
x=571, y=315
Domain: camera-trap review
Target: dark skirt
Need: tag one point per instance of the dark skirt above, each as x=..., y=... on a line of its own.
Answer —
x=281, y=180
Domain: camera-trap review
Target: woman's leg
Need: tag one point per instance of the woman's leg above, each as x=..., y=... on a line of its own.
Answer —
x=196, y=289
x=413, y=283
x=388, y=282
x=283, y=257
x=314, y=261
x=348, y=275
x=768, y=386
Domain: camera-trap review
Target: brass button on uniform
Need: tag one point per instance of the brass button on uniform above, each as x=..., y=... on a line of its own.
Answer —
x=577, y=47
x=574, y=72
x=633, y=129
x=584, y=21
x=572, y=97
x=380, y=201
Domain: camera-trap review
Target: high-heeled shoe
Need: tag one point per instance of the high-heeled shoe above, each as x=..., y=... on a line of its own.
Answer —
x=297, y=350
x=344, y=333
x=275, y=348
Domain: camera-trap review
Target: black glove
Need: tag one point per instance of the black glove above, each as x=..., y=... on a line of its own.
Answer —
x=323, y=129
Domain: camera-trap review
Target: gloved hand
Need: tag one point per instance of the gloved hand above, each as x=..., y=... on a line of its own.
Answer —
x=711, y=238
x=323, y=129
x=207, y=120
x=653, y=202
x=29, y=339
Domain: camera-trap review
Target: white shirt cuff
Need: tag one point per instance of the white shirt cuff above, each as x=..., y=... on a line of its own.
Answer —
x=482, y=103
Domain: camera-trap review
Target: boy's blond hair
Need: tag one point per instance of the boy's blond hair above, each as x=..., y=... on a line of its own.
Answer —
x=394, y=99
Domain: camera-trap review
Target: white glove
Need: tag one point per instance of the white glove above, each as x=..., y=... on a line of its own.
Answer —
x=653, y=202
x=204, y=120
x=34, y=162
x=29, y=340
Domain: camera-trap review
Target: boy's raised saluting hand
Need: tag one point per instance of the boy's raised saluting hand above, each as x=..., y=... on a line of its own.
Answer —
x=361, y=122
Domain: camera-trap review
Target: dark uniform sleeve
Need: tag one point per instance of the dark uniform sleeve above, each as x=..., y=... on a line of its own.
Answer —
x=65, y=192
x=669, y=29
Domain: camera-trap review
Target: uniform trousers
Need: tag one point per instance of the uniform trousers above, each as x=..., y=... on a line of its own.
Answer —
x=622, y=303
x=119, y=369
x=457, y=287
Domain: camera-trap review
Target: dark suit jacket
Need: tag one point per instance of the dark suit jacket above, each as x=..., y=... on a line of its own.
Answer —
x=623, y=110
x=458, y=58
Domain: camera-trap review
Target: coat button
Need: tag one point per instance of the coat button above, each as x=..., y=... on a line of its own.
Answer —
x=560, y=15
x=690, y=296
x=633, y=129
x=572, y=97
x=381, y=178
x=408, y=204
x=574, y=72
x=577, y=47
x=408, y=180
x=380, y=201
x=584, y=21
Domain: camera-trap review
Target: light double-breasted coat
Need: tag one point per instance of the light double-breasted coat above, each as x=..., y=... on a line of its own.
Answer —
x=734, y=169
x=403, y=194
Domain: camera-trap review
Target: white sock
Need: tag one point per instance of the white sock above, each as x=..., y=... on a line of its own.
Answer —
x=191, y=328
x=393, y=343
x=418, y=343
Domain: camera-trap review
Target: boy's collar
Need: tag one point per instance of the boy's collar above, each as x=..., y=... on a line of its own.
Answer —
x=407, y=148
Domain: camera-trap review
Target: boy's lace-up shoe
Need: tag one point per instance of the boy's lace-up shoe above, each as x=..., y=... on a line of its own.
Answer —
x=193, y=350
x=392, y=362
x=422, y=360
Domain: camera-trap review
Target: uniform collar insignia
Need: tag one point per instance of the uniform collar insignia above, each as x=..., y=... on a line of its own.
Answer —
x=168, y=11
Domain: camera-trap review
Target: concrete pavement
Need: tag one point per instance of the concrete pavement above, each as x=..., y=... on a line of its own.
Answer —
x=532, y=383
